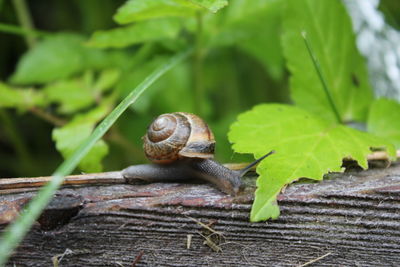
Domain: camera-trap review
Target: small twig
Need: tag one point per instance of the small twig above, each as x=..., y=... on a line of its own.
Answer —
x=205, y=226
x=315, y=260
x=188, y=241
x=116, y=137
x=208, y=241
x=47, y=116
x=137, y=259
x=381, y=155
x=58, y=258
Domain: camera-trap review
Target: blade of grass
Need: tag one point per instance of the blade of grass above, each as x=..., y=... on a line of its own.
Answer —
x=15, y=232
x=321, y=77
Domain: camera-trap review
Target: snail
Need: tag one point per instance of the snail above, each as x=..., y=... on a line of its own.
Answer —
x=181, y=146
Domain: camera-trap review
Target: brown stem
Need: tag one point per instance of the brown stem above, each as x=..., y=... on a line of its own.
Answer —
x=119, y=139
x=47, y=116
x=381, y=155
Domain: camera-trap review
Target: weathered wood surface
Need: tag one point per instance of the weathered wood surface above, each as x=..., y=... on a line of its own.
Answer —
x=352, y=219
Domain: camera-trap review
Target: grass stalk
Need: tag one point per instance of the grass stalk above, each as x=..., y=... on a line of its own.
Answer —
x=15, y=232
x=25, y=19
x=321, y=77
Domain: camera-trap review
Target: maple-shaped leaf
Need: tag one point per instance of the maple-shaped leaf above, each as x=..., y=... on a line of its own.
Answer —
x=305, y=145
x=329, y=31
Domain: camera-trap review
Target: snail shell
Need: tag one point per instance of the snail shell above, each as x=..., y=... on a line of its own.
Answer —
x=178, y=135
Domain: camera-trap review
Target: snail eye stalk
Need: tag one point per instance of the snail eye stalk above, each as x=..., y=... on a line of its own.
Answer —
x=243, y=171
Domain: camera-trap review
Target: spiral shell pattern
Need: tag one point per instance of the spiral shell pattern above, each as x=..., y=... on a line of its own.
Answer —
x=178, y=135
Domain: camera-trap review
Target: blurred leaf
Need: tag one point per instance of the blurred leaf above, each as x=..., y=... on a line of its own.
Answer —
x=107, y=79
x=254, y=28
x=135, y=10
x=53, y=58
x=329, y=31
x=175, y=91
x=211, y=5
x=72, y=95
x=137, y=33
x=75, y=94
x=136, y=76
x=67, y=140
x=166, y=94
x=305, y=145
x=384, y=120
x=20, y=98
x=59, y=57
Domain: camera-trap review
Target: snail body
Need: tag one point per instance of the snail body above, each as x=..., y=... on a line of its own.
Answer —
x=181, y=146
x=226, y=180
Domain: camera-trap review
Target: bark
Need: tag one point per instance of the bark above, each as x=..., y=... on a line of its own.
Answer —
x=350, y=219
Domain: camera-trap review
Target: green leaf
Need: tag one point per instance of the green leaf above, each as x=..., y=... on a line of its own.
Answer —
x=20, y=98
x=107, y=79
x=72, y=95
x=136, y=10
x=67, y=140
x=53, y=58
x=137, y=33
x=75, y=94
x=211, y=5
x=135, y=77
x=241, y=27
x=329, y=31
x=384, y=120
x=305, y=145
x=59, y=57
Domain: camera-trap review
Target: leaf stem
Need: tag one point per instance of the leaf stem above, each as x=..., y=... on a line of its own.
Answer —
x=321, y=77
x=16, y=231
x=47, y=116
x=25, y=20
x=198, y=84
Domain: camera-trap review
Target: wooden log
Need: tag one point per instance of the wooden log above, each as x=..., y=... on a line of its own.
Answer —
x=350, y=219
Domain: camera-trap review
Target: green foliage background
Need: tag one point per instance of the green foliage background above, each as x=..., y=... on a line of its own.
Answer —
x=54, y=90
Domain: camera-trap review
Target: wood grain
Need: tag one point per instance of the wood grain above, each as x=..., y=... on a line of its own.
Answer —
x=351, y=219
